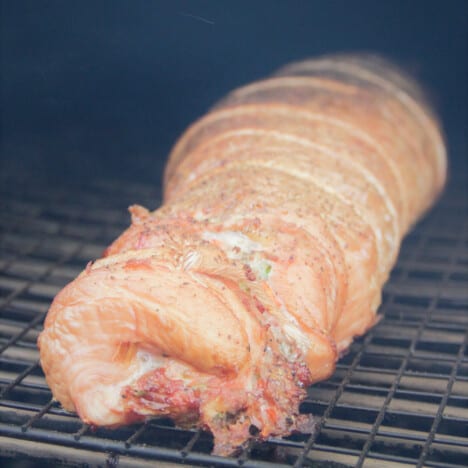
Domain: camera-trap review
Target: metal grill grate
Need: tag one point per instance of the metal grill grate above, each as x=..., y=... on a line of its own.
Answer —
x=400, y=396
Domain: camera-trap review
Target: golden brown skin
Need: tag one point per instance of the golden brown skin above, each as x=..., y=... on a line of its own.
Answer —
x=284, y=211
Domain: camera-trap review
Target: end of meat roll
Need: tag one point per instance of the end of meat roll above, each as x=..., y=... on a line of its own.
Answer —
x=167, y=330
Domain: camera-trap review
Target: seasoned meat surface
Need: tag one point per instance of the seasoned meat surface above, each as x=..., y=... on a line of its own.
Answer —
x=284, y=210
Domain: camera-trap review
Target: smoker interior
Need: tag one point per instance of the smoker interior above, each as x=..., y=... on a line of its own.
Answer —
x=399, y=396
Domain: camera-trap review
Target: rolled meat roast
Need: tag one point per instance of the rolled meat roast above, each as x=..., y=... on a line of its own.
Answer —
x=284, y=210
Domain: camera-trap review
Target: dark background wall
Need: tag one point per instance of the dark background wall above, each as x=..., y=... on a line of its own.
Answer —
x=103, y=88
